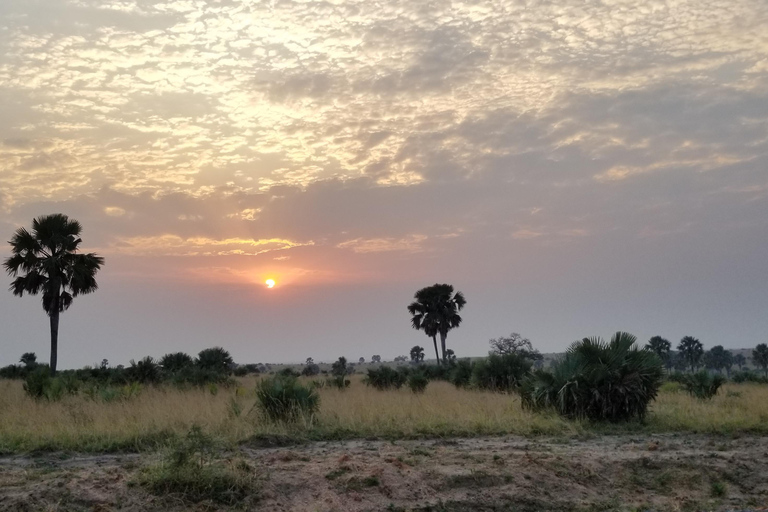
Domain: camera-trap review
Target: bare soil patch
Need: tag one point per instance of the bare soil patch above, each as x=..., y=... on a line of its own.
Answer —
x=648, y=472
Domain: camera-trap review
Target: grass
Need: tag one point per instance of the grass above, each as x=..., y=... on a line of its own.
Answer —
x=157, y=416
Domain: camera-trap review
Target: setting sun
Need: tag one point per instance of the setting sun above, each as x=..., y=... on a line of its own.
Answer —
x=270, y=283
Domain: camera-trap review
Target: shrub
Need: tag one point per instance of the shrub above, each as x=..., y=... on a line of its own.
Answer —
x=310, y=370
x=703, y=385
x=175, y=362
x=285, y=399
x=241, y=371
x=460, y=374
x=385, y=377
x=145, y=371
x=417, y=381
x=437, y=371
x=37, y=383
x=288, y=372
x=215, y=359
x=501, y=372
x=612, y=381
x=747, y=376
x=190, y=471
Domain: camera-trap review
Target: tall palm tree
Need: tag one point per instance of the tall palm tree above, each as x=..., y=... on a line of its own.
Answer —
x=46, y=260
x=691, y=350
x=435, y=311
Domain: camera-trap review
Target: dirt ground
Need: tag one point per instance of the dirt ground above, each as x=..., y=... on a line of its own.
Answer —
x=648, y=473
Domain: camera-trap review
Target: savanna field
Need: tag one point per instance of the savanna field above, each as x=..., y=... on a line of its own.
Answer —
x=154, y=415
x=212, y=447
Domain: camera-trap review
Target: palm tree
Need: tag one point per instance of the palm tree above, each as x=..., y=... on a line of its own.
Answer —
x=46, y=260
x=660, y=347
x=691, y=350
x=435, y=311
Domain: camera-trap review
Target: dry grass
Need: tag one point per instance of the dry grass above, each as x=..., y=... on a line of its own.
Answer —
x=158, y=414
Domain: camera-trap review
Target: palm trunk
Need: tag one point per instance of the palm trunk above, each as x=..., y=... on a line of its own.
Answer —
x=437, y=356
x=54, y=320
x=443, y=335
x=54, y=339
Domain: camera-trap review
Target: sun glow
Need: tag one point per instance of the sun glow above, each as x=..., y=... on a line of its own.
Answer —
x=270, y=283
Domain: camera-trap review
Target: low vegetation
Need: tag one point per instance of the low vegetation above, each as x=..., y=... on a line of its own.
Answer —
x=613, y=381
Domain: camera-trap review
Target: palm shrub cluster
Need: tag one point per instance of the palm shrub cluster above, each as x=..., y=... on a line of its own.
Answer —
x=613, y=381
x=502, y=373
x=384, y=377
x=417, y=382
x=284, y=398
x=702, y=385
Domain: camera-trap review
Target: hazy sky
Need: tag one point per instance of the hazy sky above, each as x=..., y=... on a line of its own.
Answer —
x=574, y=167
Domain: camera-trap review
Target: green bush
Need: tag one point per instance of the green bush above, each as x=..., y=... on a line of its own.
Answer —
x=191, y=472
x=612, y=381
x=285, y=399
x=384, y=377
x=37, y=383
x=460, y=374
x=703, y=385
x=417, y=381
x=176, y=361
x=146, y=371
x=215, y=359
x=500, y=373
x=747, y=376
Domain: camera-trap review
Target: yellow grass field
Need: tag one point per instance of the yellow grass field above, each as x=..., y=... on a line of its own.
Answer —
x=159, y=414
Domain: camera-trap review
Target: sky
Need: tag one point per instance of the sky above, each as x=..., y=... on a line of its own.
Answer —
x=573, y=167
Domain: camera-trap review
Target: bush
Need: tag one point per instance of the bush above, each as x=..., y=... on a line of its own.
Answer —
x=146, y=371
x=310, y=370
x=285, y=399
x=384, y=377
x=612, y=381
x=175, y=362
x=288, y=372
x=37, y=383
x=500, y=373
x=747, y=376
x=460, y=374
x=437, y=371
x=215, y=359
x=417, y=381
x=240, y=371
x=703, y=385
x=191, y=472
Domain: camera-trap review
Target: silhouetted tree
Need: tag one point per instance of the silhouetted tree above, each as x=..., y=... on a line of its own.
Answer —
x=376, y=358
x=450, y=356
x=718, y=359
x=740, y=361
x=175, y=362
x=215, y=359
x=309, y=361
x=361, y=360
x=417, y=354
x=661, y=347
x=28, y=359
x=435, y=311
x=691, y=351
x=760, y=357
x=514, y=344
x=48, y=262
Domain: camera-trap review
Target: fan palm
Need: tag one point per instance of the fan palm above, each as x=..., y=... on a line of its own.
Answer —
x=602, y=381
x=435, y=311
x=46, y=260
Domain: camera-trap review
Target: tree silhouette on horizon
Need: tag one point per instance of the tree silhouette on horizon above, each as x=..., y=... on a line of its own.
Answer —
x=46, y=260
x=435, y=311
